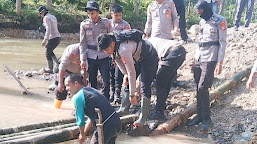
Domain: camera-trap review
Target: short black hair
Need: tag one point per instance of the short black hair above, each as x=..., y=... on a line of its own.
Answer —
x=117, y=8
x=202, y=4
x=75, y=77
x=104, y=40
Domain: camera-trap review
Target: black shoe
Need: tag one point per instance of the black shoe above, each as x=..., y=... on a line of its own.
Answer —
x=196, y=120
x=179, y=84
x=156, y=115
x=205, y=125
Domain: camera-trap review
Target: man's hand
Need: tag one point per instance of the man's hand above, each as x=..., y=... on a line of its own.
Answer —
x=218, y=68
x=125, y=79
x=44, y=43
x=83, y=64
x=133, y=98
x=60, y=87
x=81, y=138
x=146, y=35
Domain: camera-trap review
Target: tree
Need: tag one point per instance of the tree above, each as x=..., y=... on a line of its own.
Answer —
x=102, y=5
x=18, y=7
x=49, y=4
x=112, y=4
x=136, y=8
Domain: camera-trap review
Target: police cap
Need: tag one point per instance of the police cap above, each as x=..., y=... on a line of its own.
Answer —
x=92, y=5
x=117, y=8
x=41, y=9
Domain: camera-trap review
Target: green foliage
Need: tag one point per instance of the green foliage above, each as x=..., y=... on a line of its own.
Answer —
x=71, y=12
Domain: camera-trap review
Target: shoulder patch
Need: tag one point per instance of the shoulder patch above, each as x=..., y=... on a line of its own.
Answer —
x=222, y=25
x=71, y=56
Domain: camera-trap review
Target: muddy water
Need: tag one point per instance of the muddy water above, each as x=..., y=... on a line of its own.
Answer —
x=17, y=109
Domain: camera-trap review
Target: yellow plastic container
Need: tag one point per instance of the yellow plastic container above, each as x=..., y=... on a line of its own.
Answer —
x=57, y=103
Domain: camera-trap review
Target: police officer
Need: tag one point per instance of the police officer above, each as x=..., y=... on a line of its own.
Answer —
x=126, y=55
x=211, y=51
x=85, y=101
x=162, y=22
x=240, y=8
x=118, y=25
x=51, y=38
x=180, y=7
x=89, y=30
x=70, y=63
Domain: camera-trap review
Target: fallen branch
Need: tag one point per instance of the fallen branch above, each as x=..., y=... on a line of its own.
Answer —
x=22, y=86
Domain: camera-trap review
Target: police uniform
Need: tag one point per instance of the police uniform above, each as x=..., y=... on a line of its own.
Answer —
x=180, y=7
x=171, y=55
x=144, y=55
x=53, y=36
x=88, y=51
x=161, y=19
x=212, y=45
x=249, y=11
x=70, y=63
x=116, y=75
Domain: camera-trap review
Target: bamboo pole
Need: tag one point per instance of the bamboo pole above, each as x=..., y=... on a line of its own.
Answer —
x=52, y=135
x=184, y=115
x=11, y=130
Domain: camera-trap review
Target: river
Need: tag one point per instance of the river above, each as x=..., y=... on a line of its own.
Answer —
x=17, y=109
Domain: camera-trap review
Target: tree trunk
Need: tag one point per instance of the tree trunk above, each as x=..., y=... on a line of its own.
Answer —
x=102, y=5
x=18, y=7
x=136, y=9
x=49, y=4
x=112, y=4
x=222, y=9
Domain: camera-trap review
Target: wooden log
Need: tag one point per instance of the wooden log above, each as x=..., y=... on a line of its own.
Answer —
x=22, y=86
x=188, y=112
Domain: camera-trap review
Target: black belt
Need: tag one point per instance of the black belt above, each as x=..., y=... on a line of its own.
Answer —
x=69, y=72
x=203, y=44
x=92, y=47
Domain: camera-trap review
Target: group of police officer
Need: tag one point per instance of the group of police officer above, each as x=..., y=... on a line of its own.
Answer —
x=158, y=56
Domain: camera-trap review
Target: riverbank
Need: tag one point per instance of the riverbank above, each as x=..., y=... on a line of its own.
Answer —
x=235, y=113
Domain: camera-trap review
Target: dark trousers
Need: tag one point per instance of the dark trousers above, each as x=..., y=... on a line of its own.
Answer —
x=111, y=130
x=118, y=80
x=172, y=61
x=148, y=69
x=112, y=77
x=203, y=75
x=249, y=11
x=182, y=21
x=50, y=46
x=60, y=95
x=103, y=65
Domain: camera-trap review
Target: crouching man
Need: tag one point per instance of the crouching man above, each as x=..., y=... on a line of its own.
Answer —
x=70, y=63
x=85, y=101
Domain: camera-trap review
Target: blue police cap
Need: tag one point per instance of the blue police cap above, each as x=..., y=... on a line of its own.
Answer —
x=41, y=9
x=92, y=5
x=117, y=8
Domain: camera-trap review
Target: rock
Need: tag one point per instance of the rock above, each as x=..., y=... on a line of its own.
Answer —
x=194, y=29
x=28, y=74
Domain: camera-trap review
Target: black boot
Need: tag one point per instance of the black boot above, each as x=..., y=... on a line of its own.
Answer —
x=205, y=125
x=195, y=121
